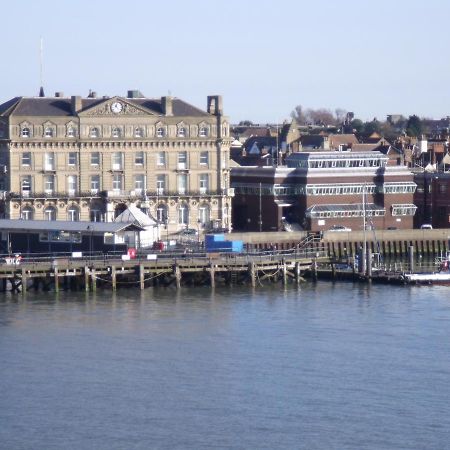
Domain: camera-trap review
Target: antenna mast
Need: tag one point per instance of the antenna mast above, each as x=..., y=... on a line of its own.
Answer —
x=41, y=67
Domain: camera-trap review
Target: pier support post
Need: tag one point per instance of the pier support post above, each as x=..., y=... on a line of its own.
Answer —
x=113, y=278
x=93, y=279
x=56, y=279
x=297, y=272
x=86, y=278
x=314, y=269
x=333, y=271
x=141, y=277
x=212, y=275
x=411, y=258
x=252, y=274
x=369, y=264
x=24, y=281
x=284, y=269
x=177, y=272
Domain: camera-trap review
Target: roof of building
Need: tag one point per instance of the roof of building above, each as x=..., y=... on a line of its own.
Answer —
x=342, y=139
x=20, y=225
x=135, y=215
x=61, y=106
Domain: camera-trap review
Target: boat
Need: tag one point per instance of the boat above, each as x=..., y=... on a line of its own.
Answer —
x=441, y=276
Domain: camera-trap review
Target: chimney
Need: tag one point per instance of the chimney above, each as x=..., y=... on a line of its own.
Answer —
x=75, y=104
x=166, y=105
x=59, y=94
x=135, y=93
x=92, y=94
x=214, y=105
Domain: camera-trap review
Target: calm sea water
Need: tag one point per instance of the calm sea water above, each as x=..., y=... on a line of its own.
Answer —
x=326, y=366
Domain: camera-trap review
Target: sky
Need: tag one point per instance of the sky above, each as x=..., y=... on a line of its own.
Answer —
x=264, y=57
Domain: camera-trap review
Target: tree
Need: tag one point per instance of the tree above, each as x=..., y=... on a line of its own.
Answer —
x=414, y=126
x=320, y=116
x=245, y=123
x=372, y=127
x=298, y=115
x=357, y=125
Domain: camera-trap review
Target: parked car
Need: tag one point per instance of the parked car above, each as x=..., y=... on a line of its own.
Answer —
x=339, y=228
x=188, y=232
x=426, y=226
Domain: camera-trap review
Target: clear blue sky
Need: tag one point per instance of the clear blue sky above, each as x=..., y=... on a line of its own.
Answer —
x=265, y=57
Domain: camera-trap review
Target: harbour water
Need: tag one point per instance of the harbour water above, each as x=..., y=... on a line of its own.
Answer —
x=322, y=366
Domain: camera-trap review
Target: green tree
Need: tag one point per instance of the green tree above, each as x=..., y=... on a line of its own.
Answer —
x=372, y=127
x=357, y=125
x=414, y=127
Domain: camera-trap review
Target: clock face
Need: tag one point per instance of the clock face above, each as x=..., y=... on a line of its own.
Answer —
x=116, y=107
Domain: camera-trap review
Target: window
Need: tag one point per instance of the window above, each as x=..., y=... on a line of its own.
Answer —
x=160, y=184
x=183, y=214
x=117, y=182
x=182, y=183
x=49, y=184
x=161, y=159
x=203, y=132
x=50, y=213
x=442, y=188
x=203, y=179
x=49, y=161
x=139, y=183
x=138, y=132
x=116, y=132
x=95, y=159
x=94, y=133
x=70, y=132
x=139, y=158
x=95, y=215
x=27, y=213
x=25, y=185
x=73, y=158
x=161, y=213
x=182, y=160
x=48, y=132
x=26, y=159
x=204, y=158
x=203, y=214
x=72, y=184
x=95, y=184
x=160, y=132
x=73, y=213
x=181, y=132
x=25, y=132
x=117, y=161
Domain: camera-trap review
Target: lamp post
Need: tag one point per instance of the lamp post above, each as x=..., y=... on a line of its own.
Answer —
x=166, y=223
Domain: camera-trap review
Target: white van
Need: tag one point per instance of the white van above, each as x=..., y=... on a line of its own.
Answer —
x=426, y=226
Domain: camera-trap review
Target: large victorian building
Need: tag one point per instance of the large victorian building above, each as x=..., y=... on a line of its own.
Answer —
x=321, y=190
x=88, y=158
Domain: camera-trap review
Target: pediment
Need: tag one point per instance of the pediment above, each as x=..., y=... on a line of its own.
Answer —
x=115, y=107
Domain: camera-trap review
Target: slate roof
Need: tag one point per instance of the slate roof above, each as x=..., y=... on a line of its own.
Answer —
x=19, y=225
x=61, y=106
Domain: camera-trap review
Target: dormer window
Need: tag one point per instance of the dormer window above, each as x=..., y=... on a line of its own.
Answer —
x=160, y=132
x=181, y=132
x=116, y=133
x=26, y=133
x=95, y=133
x=48, y=132
x=203, y=132
x=138, y=132
x=70, y=132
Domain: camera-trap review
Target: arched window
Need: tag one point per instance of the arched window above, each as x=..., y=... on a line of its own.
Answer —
x=116, y=132
x=203, y=132
x=73, y=213
x=71, y=132
x=50, y=213
x=94, y=133
x=160, y=132
x=26, y=132
x=204, y=214
x=183, y=214
x=181, y=132
x=27, y=213
x=161, y=213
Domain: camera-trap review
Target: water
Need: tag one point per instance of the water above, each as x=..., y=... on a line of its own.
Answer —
x=326, y=366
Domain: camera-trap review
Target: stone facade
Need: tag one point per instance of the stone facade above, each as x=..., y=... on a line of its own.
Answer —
x=88, y=158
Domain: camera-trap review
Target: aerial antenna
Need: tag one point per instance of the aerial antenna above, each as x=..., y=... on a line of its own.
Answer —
x=41, y=67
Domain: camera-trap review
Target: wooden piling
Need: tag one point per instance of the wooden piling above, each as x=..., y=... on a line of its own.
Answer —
x=113, y=278
x=56, y=279
x=86, y=278
x=141, y=276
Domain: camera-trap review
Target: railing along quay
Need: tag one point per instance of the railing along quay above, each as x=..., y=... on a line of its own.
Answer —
x=48, y=272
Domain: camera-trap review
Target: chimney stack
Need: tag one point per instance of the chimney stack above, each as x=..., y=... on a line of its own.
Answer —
x=75, y=104
x=166, y=105
x=214, y=105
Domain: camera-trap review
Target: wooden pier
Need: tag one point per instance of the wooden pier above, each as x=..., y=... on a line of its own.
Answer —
x=162, y=270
